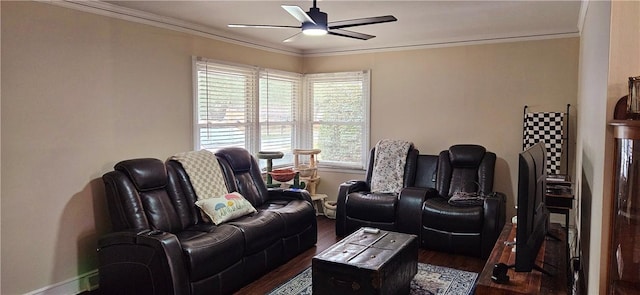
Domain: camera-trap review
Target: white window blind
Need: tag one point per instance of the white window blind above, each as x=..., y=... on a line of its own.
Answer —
x=339, y=117
x=279, y=112
x=264, y=110
x=225, y=105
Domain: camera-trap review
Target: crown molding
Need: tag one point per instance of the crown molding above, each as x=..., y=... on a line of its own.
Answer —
x=115, y=11
x=446, y=43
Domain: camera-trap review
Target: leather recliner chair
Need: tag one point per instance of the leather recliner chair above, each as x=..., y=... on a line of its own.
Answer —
x=358, y=207
x=468, y=230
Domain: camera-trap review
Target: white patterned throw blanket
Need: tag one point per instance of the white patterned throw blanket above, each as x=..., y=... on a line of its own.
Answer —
x=388, y=165
x=204, y=172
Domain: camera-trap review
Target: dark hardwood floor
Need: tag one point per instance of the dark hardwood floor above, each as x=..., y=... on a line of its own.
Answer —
x=326, y=238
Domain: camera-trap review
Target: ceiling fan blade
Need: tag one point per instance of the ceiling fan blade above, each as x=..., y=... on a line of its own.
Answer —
x=261, y=26
x=293, y=38
x=350, y=34
x=298, y=13
x=361, y=22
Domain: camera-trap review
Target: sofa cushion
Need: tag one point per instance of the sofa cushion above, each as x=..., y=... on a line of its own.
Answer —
x=225, y=208
x=260, y=230
x=209, y=252
x=438, y=214
x=373, y=207
x=298, y=215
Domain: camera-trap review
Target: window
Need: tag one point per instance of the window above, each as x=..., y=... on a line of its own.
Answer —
x=225, y=106
x=339, y=117
x=265, y=110
x=279, y=113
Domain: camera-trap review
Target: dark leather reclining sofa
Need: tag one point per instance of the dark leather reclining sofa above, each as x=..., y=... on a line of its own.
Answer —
x=422, y=207
x=160, y=243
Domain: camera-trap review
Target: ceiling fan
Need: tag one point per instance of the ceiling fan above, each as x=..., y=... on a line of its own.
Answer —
x=314, y=23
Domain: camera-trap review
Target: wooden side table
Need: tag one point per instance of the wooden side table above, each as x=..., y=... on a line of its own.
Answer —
x=534, y=282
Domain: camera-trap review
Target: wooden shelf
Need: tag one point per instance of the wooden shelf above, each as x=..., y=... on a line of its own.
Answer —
x=559, y=200
x=626, y=128
x=551, y=258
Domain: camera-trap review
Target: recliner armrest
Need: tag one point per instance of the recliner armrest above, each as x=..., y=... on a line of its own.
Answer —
x=494, y=220
x=431, y=193
x=350, y=186
x=409, y=212
x=345, y=189
x=141, y=255
x=289, y=194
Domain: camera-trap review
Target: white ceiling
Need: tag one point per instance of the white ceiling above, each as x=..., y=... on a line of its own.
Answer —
x=420, y=23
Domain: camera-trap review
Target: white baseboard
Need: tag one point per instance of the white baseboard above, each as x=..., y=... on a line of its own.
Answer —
x=84, y=282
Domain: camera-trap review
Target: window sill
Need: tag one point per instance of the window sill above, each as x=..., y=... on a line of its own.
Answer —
x=342, y=170
x=322, y=169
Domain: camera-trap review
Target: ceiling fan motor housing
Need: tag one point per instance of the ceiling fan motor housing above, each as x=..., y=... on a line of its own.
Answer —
x=319, y=17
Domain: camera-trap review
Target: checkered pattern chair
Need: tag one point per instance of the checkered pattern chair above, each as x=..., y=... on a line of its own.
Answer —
x=546, y=127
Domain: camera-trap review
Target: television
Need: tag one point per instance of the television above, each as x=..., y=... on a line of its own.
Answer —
x=533, y=216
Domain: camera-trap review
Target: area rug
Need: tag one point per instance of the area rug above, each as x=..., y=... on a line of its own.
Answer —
x=430, y=279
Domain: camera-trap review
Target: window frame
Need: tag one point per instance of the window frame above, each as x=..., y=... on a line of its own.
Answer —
x=302, y=136
x=249, y=124
x=364, y=77
x=295, y=124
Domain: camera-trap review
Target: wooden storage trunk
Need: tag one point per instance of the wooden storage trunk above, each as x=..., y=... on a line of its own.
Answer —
x=364, y=263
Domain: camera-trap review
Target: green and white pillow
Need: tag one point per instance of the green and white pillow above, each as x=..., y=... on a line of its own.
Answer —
x=225, y=208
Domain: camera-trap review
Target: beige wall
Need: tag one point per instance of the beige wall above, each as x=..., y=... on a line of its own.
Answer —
x=467, y=94
x=81, y=92
x=592, y=110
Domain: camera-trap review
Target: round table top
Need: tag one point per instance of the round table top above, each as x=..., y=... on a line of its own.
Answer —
x=269, y=155
x=306, y=152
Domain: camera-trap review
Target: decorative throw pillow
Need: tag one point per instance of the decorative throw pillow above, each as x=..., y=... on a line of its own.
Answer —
x=225, y=208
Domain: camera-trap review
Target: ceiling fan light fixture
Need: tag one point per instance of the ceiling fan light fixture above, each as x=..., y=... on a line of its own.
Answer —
x=314, y=31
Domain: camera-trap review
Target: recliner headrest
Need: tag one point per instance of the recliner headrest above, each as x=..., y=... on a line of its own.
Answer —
x=146, y=173
x=238, y=158
x=466, y=155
